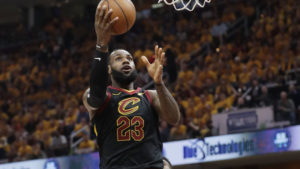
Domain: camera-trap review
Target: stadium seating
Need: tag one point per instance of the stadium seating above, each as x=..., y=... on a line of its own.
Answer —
x=43, y=78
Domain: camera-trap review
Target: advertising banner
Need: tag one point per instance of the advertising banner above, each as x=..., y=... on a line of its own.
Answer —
x=190, y=151
x=242, y=120
x=232, y=146
x=86, y=161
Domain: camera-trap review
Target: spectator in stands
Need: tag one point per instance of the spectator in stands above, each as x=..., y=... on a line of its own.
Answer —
x=264, y=99
x=224, y=87
x=240, y=89
x=164, y=131
x=53, y=125
x=178, y=132
x=295, y=96
x=86, y=146
x=46, y=140
x=13, y=152
x=255, y=92
x=69, y=121
x=240, y=103
x=38, y=133
x=31, y=124
x=285, y=108
x=37, y=152
x=83, y=124
x=59, y=144
x=61, y=128
x=193, y=129
x=206, y=128
x=3, y=147
x=223, y=104
x=24, y=150
x=83, y=113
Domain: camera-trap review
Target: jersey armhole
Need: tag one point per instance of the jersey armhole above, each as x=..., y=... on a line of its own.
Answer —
x=100, y=109
x=148, y=96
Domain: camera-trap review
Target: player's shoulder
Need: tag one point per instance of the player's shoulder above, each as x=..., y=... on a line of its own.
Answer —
x=85, y=97
x=152, y=94
x=92, y=109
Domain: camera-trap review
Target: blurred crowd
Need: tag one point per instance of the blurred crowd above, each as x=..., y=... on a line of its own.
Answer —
x=208, y=70
x=240, y=72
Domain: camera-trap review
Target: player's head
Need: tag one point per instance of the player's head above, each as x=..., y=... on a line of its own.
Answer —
x=121, y=67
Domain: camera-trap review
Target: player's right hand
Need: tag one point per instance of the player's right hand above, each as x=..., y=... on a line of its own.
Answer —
x=103, y=24
x=155, y=69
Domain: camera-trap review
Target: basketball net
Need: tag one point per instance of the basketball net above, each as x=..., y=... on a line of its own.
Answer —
x=189, y=5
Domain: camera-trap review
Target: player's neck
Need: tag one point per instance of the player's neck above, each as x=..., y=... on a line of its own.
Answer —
x=123, y=86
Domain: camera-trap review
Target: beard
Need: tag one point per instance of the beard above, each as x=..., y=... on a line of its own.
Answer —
x=120, y=78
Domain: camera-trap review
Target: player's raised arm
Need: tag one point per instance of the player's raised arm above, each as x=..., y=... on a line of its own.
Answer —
x=94, y=97
x=163, y=101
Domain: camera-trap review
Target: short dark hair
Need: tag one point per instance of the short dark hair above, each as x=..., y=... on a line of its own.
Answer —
x=109, y=56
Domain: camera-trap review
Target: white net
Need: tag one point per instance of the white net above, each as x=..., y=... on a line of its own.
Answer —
x=189, y=5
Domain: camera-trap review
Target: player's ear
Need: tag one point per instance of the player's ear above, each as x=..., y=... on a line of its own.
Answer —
x=109, y=69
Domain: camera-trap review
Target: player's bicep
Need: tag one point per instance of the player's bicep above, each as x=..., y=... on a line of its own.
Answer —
x=155, y=102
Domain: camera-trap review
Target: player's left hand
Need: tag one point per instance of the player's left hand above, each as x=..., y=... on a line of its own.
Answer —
x=155, y=69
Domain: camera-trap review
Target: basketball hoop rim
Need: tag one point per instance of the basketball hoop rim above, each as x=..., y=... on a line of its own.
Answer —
x=185, y=5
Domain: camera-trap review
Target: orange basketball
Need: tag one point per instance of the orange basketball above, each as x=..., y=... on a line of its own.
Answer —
x=125, y=10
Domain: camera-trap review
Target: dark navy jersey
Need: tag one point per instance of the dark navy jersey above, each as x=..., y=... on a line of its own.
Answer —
x=127, y=132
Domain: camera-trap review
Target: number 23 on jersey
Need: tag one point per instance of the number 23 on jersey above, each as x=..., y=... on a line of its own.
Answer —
x=125, y=134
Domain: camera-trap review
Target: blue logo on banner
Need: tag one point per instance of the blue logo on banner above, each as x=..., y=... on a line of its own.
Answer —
x=195, y=150
x=242, y=121
x=51, y=164
x=282, y=140
x=200, y=149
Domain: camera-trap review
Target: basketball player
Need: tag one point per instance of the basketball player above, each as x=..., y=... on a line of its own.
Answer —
x=125, y=119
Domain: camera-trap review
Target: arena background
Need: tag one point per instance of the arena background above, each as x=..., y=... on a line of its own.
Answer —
x=232, y=66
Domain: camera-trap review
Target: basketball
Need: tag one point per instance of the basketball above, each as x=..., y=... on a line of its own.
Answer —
x=125, y=10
